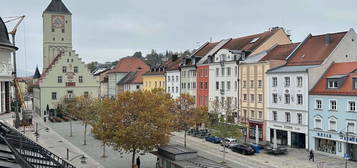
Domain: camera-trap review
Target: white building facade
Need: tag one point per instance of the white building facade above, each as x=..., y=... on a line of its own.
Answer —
x=173, y=80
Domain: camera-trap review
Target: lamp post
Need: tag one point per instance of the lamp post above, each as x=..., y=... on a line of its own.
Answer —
x=79, y=155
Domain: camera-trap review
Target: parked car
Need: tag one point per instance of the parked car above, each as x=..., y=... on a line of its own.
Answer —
x=243, y=149
x=229, y=142
x=213, y=139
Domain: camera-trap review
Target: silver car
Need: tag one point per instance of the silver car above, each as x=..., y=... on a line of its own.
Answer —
x=229, y=142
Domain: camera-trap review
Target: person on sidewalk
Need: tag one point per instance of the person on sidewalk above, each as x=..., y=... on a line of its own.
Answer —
x=138, y=161
x=311, y=155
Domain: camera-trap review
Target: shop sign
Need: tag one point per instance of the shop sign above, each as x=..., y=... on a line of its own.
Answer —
x=326, y=135
x=288, y=127
x=279, y=126
x=350, y=139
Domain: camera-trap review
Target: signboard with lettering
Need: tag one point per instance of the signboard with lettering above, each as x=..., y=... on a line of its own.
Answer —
x=70, y=84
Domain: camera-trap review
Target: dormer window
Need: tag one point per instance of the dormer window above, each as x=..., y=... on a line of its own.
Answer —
x=332, y=84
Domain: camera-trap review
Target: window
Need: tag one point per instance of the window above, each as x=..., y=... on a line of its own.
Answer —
x=235, y=85
x=59, y=79
x=217, y=85
x=332, y=84
x=275, y=98
x=53, y=30
x=188, y=85
x=244, y=97
x=176, y=89
x=299, y=81
x=201, y=72
x=352, y=106
x=80, y=79
x=177, y=79
x=260, y=113
x=222, y=101
x=229, y=71
x=228, y=85
x=168, y=78
x=222, y=71
x=62, y=39
x=62, y=30
x=67, y=60
x=299, y=99
x=252, y=114
x=318, y=123
x=287, y=117
x=236, y=71
x=333, y=105
x=54, y=96
x=244, y=84
x=194, y=85
x=200, y=100
x=201, y=85
x=275, y=81
x=287, y=98
x=318, y=104
x=53, y=39
x=206, y=85
x=86, y=94
x=299, y=118
x=251, y=84
x=71, y=60
x=222, y=87
x=217, y=71
x=75, y=69
x=168, y=89
x=252, y=98
x=260, y=98
x=259, y=83
x=275, y=116
x=332, y=125
x=236, y=102
x=64, y=69
x=287, y=81
x=350, y=127
x=137, y=86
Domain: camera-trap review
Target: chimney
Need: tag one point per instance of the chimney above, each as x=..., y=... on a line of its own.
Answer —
x=174, y=57
x=327, y=39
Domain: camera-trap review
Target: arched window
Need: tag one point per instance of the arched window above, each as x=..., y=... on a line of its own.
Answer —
x=318, y=122
x=332, y=124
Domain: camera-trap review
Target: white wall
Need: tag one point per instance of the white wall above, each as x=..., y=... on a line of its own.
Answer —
x=173, y=83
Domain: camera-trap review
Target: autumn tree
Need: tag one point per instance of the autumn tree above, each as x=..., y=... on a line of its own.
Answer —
x=140, y=121
x=68, y=107
x=187, y=115
x=100, y=124
x=214, y=112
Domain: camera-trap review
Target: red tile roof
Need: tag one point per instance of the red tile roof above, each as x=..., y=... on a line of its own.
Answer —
x=130, y=64
x=138, y=79
x=246, y=43
x=313, y=51
x=349, y=69
x=51, y=65
x=280, y=52
x=174, y=65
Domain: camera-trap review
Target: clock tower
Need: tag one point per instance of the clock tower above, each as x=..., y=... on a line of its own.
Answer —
x=57, y=31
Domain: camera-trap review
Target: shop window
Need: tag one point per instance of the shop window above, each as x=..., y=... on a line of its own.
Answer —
x=325, y=145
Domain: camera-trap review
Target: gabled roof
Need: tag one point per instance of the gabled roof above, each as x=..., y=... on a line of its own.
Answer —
x=289, y=69
x=128, y=77
x=37, y=74
x=130, y=64
x=4, y=37
x=57, y=6
x=280, y=52
x=174, y=64
x=249, y=43
x=205, y=49
x=344, y=70
x=51, y=65
x=314, y=49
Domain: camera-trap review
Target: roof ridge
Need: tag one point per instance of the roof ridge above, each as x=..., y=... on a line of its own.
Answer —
x=342, y=32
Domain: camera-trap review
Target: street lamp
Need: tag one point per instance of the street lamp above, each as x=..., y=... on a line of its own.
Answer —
x=346, y=154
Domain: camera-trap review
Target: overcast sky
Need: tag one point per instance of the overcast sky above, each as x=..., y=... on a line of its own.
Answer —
x=106, y=30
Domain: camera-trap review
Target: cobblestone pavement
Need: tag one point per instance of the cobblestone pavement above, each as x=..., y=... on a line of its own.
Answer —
x=296, y=158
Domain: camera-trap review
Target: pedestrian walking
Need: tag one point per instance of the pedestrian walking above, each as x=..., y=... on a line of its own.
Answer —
x=311, y=155
x=138, y=161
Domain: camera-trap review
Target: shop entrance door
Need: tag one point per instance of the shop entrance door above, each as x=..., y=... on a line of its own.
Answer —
x=297, y=140
x=353, y=152
x=281, y=136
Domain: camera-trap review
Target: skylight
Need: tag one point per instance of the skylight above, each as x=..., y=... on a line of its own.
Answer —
x=254, y=40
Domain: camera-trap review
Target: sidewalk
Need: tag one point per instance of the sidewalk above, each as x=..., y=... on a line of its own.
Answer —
x=54, y=142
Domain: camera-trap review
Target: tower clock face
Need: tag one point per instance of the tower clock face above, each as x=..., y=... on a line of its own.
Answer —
x=57, y=21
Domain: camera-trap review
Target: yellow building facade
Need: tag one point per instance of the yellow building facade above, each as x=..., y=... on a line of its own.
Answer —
x=153, y=81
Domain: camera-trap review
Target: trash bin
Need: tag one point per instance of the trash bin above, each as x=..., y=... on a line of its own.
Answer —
x=256, y=148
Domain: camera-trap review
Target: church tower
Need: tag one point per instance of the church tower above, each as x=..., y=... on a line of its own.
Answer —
x=57, y=31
